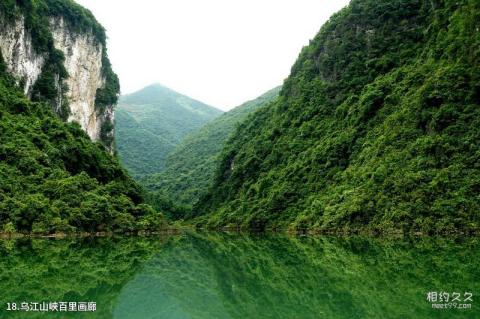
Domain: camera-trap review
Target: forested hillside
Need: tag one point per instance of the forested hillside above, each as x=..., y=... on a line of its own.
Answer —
x=377, y=126
x=53, y=178
x=151, y=122
x=190, y=167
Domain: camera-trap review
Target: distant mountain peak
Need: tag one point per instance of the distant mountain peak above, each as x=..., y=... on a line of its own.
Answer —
x=152, y=121
x=155, y=86
x=162, y=96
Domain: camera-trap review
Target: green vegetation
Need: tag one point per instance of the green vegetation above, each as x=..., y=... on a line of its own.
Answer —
x=49, y=87
x=54, y=179
x=377, y=126
x=190, y=167
x=151, y=122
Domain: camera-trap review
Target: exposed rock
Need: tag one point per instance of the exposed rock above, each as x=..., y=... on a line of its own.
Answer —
x=83, y=62
x=20, y=57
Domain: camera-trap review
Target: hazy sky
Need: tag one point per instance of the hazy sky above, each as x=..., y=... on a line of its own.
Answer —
x=221, y=52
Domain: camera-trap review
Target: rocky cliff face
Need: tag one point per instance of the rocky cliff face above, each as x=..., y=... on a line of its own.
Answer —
x=83, y=62
x=83, y=59
x=19, y=55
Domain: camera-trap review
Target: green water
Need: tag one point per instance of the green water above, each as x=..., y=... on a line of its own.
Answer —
x=240, y=276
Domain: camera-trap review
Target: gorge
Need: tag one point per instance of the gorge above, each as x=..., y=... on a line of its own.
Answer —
x=352, y=190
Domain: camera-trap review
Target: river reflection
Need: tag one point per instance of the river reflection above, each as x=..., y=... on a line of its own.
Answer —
x=241, y=276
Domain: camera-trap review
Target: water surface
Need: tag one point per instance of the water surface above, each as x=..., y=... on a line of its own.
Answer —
x=241, y=276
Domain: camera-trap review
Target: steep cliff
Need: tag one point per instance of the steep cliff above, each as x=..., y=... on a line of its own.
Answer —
x=83, y=62
x=53, y=178
x=19, y=54
x=56, y=52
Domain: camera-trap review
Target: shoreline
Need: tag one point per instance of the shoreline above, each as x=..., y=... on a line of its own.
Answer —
x=167, y=231
x=396, y=233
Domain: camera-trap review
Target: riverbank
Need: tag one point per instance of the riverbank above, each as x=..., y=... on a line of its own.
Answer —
x=180, y=227
x=166, y=231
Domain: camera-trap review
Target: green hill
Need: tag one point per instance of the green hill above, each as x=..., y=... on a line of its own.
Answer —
x=189, y=168
x=151, y=122
x=377, y=126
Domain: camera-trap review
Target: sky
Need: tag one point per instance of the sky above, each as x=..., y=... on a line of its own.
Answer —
x=221, y=52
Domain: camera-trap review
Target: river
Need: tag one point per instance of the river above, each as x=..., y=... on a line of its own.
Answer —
x=218, y=275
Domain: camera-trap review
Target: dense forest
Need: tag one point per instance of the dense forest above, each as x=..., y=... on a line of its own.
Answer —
x=378, y=125
x=53, y=178
x=151, y=122
x=190, y=167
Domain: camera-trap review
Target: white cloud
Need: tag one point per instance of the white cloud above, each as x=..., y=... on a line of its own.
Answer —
x=221, y=52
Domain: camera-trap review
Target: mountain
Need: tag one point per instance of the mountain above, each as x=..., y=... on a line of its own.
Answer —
x=151, y=122
x=54, y=78
x=189, y=168
x=377, y=127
